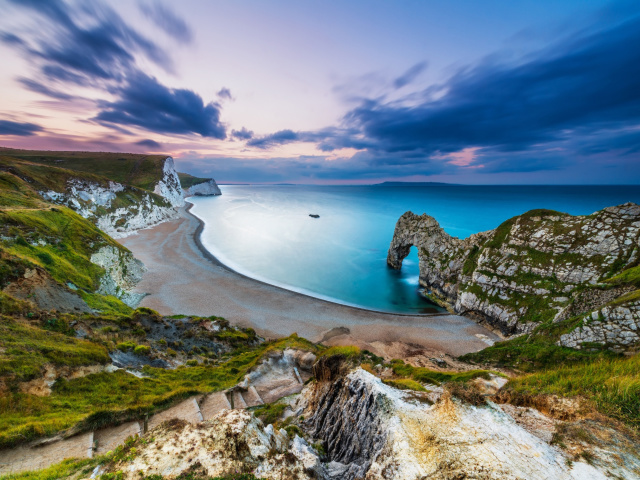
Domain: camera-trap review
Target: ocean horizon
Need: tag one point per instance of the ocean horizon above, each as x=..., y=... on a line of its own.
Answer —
x=265, y=231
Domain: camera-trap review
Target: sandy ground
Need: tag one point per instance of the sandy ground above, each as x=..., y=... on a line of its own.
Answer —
x=184, y=279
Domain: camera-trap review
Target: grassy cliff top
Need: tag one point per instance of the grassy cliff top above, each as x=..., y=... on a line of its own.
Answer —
x=139, y=170
x=187, y=180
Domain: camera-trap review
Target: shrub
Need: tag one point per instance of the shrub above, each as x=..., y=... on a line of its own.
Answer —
x=125, y=346
x=192, y=363
x=142, y=350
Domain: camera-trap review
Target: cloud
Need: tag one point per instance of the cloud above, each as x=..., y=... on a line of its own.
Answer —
x=225, y=93
x=8, y=127
x=90, y=45
x=149, y=143
x=168, y=21
x=536, y=113
x=410, y=75
x=145, y=103
x=242, y=134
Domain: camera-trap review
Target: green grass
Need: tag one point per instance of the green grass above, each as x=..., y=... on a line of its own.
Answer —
x=270, y=412
x=26, y=349
x=64, y=469
x=425, y=375
x=630, y=276
x=142, y=171
x=406, y=384
x=349, y=352
x=612, y=385
x=107, y=398
x=187, y=180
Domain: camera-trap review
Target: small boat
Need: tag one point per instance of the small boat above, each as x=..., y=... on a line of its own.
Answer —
x=314, y=215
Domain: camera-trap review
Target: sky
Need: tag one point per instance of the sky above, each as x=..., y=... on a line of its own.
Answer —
x=332, y=92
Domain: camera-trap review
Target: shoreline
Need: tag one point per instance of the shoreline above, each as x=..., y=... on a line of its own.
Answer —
x=184, y=278
x=212, y=258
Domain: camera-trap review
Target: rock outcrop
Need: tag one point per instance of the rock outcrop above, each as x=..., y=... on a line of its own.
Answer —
x=533, y=268
x=374, y=431
x=209, y=187
x=122, y=273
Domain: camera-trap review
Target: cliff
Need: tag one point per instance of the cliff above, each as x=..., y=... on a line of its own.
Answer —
x=194, y=186
x=539, y=267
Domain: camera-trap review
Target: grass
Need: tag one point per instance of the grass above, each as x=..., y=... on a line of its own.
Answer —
x=270, y=412
x=25, y=349
x=349, y=352
x=187, y=180
x=612, y=385
x=406, y=384
x=64, y=469
x=107, y=398
x=142, y=171
x=425, y=375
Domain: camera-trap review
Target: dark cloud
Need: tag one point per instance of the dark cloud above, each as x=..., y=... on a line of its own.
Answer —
x=7, y=127
x=38, y=87
x=589, y=82
x=90, y=45
x=410, y=75
x=577, y=97
x=242, y=134
x=225, y=93
x=149, y=143
x=168, y=21
x=146, y=103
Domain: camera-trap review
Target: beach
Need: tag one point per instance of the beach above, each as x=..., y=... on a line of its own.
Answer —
x=183, y=278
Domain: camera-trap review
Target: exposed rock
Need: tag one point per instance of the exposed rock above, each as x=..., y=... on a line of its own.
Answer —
x=233, y=441
x=373, y=431
x=122, y=274
x=532, y=268
x=169, y=185
x=38, y=287
x=210, y=187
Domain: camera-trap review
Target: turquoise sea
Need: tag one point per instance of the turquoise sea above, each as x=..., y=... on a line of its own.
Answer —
x=265, y=232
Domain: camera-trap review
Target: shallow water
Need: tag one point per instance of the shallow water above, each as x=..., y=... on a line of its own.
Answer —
x=265, y=232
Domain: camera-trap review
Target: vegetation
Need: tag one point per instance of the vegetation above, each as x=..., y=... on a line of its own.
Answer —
x=65, y=469
x=25, y=349
x=406, y=384
x=107, y=398
x=425, y=375
x=139, y=170
x=187, y=180
x=270, y=412
x=612, y=385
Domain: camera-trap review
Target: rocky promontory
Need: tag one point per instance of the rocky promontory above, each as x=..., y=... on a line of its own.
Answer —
x=541, y=266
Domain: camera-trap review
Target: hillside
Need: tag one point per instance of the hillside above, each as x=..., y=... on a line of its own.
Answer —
x=130, y=393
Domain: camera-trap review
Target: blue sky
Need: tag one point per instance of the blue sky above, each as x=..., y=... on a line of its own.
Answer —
x=332, y=92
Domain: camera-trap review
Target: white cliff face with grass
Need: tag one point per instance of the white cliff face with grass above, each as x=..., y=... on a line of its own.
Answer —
x=121, y=210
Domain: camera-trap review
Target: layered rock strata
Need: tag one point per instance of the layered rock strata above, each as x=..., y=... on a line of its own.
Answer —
x=536, y=267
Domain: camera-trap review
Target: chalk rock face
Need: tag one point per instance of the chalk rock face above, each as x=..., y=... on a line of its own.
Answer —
x=374, y=431
x=233, y=441
x=532, y=268
x=122, y=273
x=120, y=210
x=169, y=186
x=210, y=187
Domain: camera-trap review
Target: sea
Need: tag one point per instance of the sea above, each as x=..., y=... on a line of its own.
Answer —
x=267, y=233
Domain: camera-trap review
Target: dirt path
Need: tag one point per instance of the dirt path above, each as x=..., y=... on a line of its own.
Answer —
x=181, y=280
